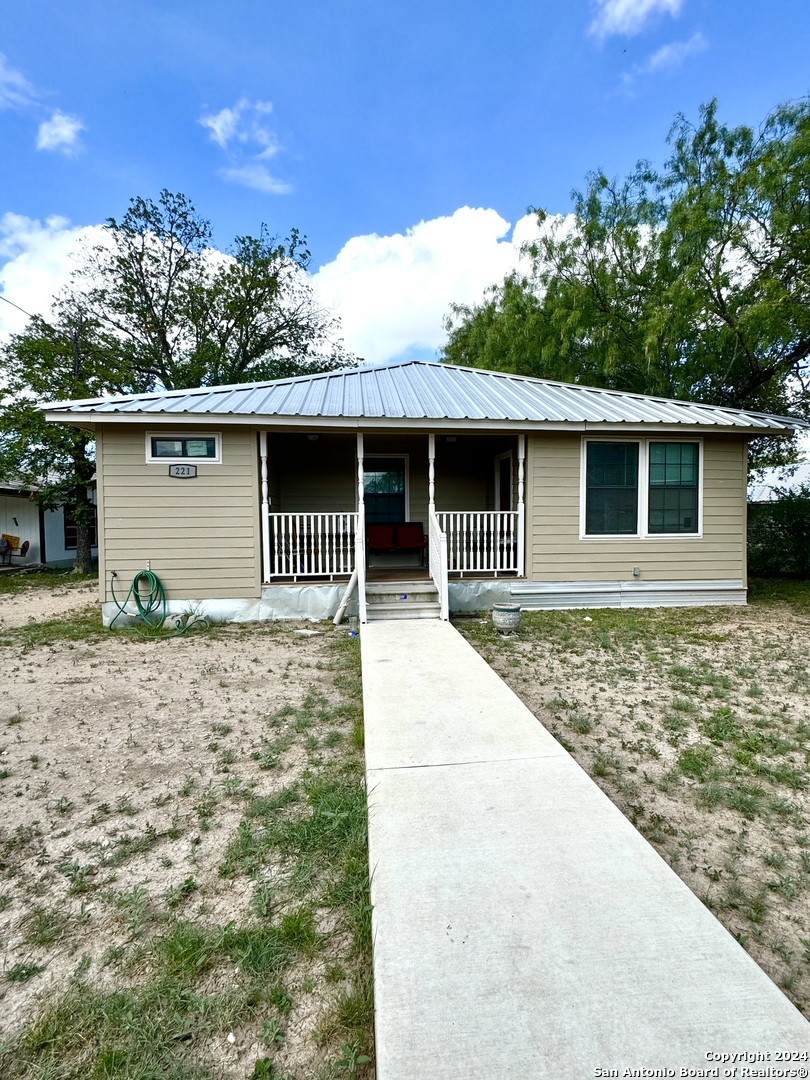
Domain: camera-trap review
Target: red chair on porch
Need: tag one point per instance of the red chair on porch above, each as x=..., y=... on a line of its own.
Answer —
x=380, y=538
x=411, y=537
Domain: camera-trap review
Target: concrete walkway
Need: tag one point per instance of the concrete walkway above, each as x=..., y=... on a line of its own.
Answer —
x=522, y=927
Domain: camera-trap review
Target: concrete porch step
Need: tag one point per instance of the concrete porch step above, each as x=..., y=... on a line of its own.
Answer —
x=396, y=588
x=402, y=600
x=413, y=609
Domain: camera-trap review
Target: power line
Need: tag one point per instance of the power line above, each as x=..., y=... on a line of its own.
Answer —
x=17, y=306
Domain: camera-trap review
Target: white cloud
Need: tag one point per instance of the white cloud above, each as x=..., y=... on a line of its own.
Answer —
x=628, y=17
x=16, y=92
x=392, y=292
x=61, y=133
x=255, y=175
x=671, y=56
x=36, y=259
x=668, y=58
x=222, y=125
x=244, y=123
x=242, y=132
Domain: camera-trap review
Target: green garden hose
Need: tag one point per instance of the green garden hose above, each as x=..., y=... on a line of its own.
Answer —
x=151, y=607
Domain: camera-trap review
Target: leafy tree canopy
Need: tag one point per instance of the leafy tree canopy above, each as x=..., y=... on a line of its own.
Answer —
x=154, y=305
x=179, y=313
x=690, y=282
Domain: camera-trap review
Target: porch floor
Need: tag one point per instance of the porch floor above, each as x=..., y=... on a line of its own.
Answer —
x=522, y=927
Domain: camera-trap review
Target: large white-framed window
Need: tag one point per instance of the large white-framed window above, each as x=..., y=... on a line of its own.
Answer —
x=645, y=488
x=192, y=447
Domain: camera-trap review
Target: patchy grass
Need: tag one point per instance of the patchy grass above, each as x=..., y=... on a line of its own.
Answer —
x=696, y=722
x=183, y=864
x=18, y=580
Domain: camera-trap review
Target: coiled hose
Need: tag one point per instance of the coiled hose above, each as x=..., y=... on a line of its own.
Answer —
x=150, y=603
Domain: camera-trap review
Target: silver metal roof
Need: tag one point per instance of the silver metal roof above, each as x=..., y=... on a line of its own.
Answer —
x=420, y=390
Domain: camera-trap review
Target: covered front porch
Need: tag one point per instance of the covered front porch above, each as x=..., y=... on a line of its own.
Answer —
x=391, y=507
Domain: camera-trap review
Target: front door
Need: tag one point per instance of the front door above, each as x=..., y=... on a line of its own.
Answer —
x=503, y=481
x=385, y=489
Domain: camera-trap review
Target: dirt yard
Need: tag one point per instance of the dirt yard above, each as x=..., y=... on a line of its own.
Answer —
x=696, y=723
x=167, y=805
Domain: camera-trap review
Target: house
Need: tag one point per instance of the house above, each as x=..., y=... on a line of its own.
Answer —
x=51, y=534
x=264, y=501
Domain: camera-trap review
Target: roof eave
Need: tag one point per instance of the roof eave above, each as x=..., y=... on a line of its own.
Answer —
x=92, y=420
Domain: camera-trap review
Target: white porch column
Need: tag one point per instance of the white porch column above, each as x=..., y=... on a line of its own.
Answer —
x=360, y=538
x=265, y=522
x=521, y=509
x=361, y=489
x=432, y=473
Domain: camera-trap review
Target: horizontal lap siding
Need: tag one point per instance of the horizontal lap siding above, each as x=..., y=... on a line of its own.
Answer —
x=200, y=536
x=556, y=552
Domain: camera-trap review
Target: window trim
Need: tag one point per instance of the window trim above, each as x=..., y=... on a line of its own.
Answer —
x=172, y=434
x=643, y=532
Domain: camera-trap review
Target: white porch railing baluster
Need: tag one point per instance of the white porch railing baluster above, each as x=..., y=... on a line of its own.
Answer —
x=482, y=542
x=311, y=545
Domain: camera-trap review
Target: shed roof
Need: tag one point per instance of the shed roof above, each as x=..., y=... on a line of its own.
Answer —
x=419, y=390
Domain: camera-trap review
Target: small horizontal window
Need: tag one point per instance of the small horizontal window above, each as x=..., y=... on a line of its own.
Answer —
x=174, y=448
x=182, y=448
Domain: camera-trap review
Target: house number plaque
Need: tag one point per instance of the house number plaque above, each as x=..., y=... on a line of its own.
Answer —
x=183, y=472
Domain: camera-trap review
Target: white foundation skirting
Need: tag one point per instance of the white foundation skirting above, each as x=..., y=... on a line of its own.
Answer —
x=311, y=602
x=550, y=595
x=318, y=602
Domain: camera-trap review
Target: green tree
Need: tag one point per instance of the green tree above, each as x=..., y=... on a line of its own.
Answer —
x=690, y=282
x=180, y=313
x=154, y=304
x=45, y=363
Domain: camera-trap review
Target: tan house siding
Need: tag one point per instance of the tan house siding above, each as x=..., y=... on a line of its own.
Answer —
x=200, y=536
x=555, y=551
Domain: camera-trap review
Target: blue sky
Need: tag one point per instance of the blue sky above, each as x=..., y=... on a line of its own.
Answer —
x=369, y=127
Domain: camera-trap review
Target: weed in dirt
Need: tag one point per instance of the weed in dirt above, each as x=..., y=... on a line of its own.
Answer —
x=180, y=893
x=21, y=972
x=43, y=926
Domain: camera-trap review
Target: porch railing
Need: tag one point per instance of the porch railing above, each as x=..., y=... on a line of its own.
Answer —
x=437, y=561
x=311, y=545
x=482, y=542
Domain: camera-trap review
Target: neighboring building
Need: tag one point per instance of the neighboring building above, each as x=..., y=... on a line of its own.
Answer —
x=51, y=534
x=780, y=478
x=260, y=500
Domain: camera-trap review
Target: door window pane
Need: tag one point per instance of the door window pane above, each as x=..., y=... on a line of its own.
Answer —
x=384, y=489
